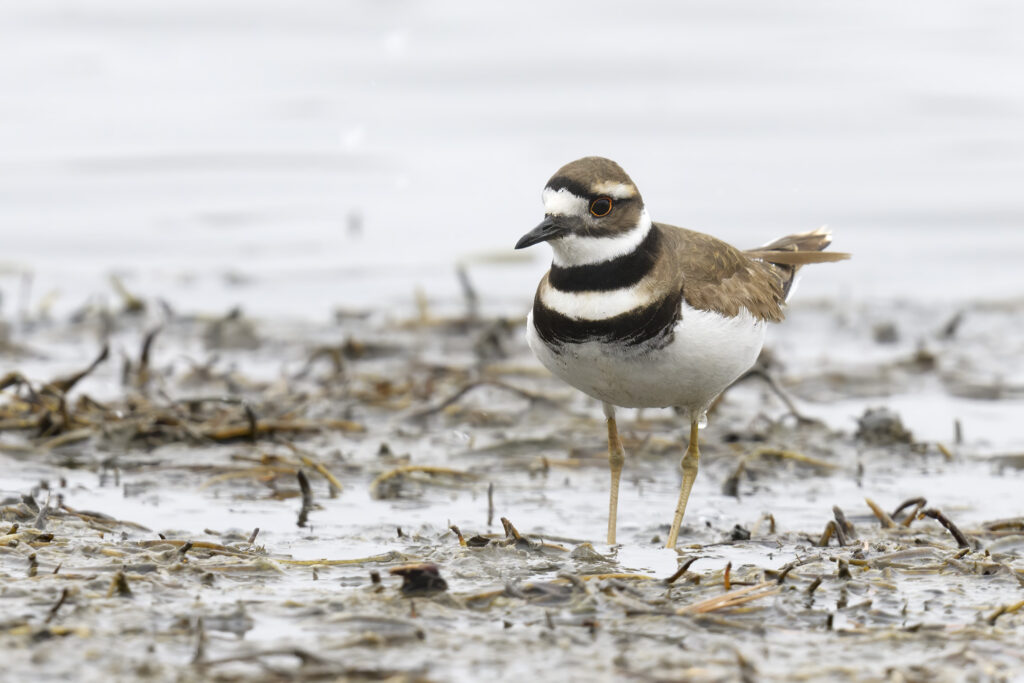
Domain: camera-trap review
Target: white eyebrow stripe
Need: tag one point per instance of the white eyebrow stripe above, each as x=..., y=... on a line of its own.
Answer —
x=564, y=203
x=581, y=250
x=595, y=305
x=615, y=190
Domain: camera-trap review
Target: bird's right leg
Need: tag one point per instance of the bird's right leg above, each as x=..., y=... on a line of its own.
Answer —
x=616, y=458
x=691, y=460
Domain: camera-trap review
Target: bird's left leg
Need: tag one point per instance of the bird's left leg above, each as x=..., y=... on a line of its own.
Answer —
x=691, y=459
x=616, y=458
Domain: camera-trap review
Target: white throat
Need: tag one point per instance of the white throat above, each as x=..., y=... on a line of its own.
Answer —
x=581, y=250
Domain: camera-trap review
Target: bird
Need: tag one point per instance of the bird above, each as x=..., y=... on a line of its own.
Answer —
x=639, y=314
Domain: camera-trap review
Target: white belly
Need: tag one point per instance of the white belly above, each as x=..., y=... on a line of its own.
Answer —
x=707, y=354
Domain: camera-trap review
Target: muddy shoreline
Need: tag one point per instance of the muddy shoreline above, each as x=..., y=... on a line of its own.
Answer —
x=224, y=498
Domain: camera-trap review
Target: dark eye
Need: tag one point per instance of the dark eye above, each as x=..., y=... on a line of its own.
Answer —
x=602, y=206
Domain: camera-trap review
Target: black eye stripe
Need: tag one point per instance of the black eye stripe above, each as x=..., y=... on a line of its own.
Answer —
x=581, y=191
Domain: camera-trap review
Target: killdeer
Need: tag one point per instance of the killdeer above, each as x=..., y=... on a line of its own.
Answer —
x=640, y=314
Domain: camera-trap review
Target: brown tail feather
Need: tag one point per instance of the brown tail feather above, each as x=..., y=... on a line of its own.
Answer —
x=788, y=253
x=797, y=258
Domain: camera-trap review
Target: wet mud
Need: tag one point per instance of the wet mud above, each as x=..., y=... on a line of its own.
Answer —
x=408, y=496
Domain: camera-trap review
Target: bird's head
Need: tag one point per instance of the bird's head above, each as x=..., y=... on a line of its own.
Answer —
x=592, y=211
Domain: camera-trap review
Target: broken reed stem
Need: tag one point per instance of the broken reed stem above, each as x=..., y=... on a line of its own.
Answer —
x=490, y=504
x=794, y=456
x=510, y=530
x=404, y=470
x=1005, y=609
x=682, y=570
x=937, y=515
x=307, y=498
x=842, y=522
x=466, y=388
x=917, y=503
x=832, y=529
x=334, y=485
x=731, y=599
x=883, y=517
x=458, y=532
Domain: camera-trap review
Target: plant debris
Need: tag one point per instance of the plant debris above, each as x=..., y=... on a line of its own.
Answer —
x=222, y=502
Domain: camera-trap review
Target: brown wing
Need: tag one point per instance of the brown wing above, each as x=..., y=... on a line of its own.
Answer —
x=719, y=277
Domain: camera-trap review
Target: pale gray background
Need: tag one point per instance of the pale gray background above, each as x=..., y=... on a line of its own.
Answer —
x=181, y=141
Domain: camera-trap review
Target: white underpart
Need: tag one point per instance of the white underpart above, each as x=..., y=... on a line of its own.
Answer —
x=581, y=250
x=708, y=352
x=594, y=305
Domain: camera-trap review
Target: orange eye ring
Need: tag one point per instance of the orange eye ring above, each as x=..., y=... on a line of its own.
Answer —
x=602, y=206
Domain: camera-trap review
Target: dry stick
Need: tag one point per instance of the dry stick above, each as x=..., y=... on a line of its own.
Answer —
x=142, y=375
x=119, y=585
x=97, y=519
x=469, y=292
x=832, y=529
x=304, y=656
x=731, y=599
x=919, y=502
x=883, y=517
x=490, y=504
x=307, y=498
x=308, y=460
x=412, y=469
x=727, y=576
x=1005, y=609
x=843, y=569
x=682, y=570
x=260, y=471
x=937, y=515
x=779, y=391
x=389, y=556
x=795, y=456
x=53, y=610
x=64, y=385
x=842, y=521
x=786, y=569
x=250, y=417
x=270, y=426
x=510, y=530
x=948, y=454
x=458, y=532
x=200, y=654
x=533, y=398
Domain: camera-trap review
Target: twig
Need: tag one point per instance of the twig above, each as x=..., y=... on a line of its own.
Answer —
x=918, y=502
x=682, y=570
x=307, y=498
x=883, y=517
x=376, y=490
x=937, y=515
x=53, y=610
x=731, y=599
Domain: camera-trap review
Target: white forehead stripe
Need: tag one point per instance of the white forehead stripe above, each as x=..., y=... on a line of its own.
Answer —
x=614, y=190
x=581, y=250
x=564, y=203
x=594, y=305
